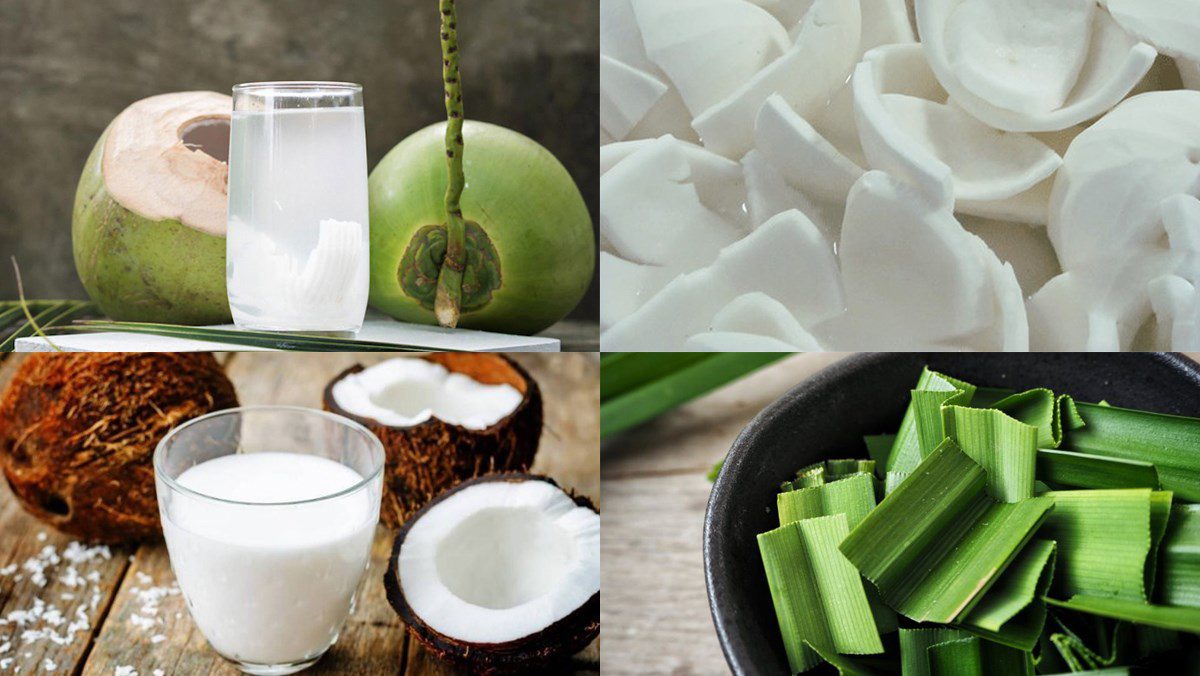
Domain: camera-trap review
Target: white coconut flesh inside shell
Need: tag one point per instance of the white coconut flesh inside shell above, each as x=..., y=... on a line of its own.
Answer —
x=165, y=158
x=408, y=392
x=498, y=561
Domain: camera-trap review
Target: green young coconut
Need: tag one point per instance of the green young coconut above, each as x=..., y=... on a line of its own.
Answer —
x=148, y=229
x=475, y=225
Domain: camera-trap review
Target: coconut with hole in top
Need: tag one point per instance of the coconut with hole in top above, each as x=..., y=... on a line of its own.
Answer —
x=500, y=574
x=148, y=228
x=442, y=418
x=78, y=432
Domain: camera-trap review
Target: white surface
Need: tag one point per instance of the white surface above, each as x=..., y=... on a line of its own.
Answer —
x=265, y=583
x=377, y=329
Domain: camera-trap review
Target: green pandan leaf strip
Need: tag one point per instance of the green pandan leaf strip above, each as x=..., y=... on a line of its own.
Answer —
x=818, y=596
x=1084, y=470
x=1005, y=447
x=1105, y=539
x=974, y=656
x=1179, y=559
x=853, y=496
x=939, y=542
x=921, y=430
x=879, y=447
x=1181, y=618
x=1166, y=441
x=1013, y=611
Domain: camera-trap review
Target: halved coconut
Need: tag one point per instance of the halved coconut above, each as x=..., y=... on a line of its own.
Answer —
x=442, y=418
x=148, y=228
x=500, y=574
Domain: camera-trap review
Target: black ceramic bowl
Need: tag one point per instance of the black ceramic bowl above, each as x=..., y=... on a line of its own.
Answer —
x=826, y=417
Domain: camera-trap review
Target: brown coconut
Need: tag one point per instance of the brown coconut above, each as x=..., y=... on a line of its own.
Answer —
x=78, y=433
x=536, y=652
x=426, y=459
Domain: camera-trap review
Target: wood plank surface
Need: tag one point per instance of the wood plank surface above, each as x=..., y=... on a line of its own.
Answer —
x=123, y=630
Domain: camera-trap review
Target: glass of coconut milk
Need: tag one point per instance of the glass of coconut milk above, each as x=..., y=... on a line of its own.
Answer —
x=269, y=514
x=297, y=243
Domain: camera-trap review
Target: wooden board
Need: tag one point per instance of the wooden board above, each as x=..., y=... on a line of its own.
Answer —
x=373, y=641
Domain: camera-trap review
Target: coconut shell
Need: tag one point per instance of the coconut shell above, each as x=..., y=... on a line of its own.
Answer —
x=78, y=433
x=555, y=643
x=426, y=459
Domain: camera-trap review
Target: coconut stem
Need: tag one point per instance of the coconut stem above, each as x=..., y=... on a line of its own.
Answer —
x=449, y=290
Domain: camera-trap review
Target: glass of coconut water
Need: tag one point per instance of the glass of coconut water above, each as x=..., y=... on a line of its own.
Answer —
x=269, y=514
x=297, y=245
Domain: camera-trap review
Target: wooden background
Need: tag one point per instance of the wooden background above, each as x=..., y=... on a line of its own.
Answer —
x=373, y=641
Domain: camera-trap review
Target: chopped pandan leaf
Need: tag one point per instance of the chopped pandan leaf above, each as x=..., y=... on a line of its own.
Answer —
x=915, y=644
x=975, y=656
x=1166, y=441
x=1179, y=559
x=1005, y=447
x=818, y=596
x=893, y=480
x=879, y=447
x=1040, y=408
x=938, y=542
x=921, y=430
x=1013, y=611
x=828, y=471
x=626, y=371
x=853, y=496
x=1084, y=470
x=1105, y=539
x=1182, y=618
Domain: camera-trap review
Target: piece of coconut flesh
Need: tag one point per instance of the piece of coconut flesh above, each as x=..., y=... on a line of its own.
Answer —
x=407, y=392
x=498, y=561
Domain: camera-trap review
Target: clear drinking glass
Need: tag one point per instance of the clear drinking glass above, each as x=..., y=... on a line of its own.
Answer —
x=269, y=513
x=297, y=254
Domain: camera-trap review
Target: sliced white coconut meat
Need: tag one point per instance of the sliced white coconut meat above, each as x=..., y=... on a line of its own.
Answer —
x=806, y=76
x=802, y=275
x=1176, y=303
x=768, y=194
x=1023, y=55
x=407, y=392
x=708, y=48
x=725, y=341
x=911, y=271
x=804, y=157
x=626, y=95
x=620, y=37
x=626, y=286
x=1115, y=63
x=498, y=561
x=928, y=142
x=718, y=180
x=761, y=315
x=651, y=213
x=1172, y=26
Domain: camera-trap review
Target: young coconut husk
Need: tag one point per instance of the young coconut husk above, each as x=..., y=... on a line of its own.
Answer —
x=148, y=228
x=552, y=645
x=425, y=459
x=78, y=433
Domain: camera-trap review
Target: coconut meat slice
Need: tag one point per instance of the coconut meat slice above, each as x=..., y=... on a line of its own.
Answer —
x=407, y=392
x=708, y=48
x=165, y=159
x=802, y=155
x=626, y=95
x=913, y=273
x=1176, y=303
x=802, y=274
x=768, y=194
x=758, y=314
x=499, y=561
x=1172, y=26
x=1115, y=63
x=651, y=212
x=626, y=286
x=727, y=341
x=1023, y=55
x=806, y=76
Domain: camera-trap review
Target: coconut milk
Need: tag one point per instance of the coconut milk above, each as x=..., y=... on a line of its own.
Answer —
x=297, y=247
x=269, y=584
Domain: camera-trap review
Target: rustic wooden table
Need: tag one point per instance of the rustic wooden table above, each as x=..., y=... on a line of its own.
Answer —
x=655, y=492
x=374, y=640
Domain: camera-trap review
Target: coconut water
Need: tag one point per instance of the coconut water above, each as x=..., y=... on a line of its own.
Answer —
x=297, y=243
x=269, y=583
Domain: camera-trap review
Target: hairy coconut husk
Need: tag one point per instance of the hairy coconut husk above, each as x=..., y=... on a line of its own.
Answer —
x=557, y=642
x=78, y=433
x=426, y=459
